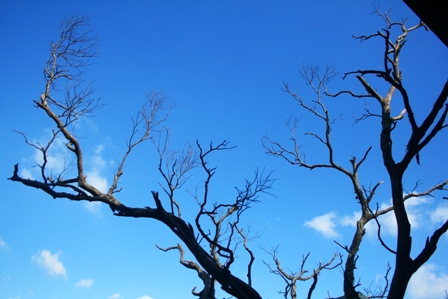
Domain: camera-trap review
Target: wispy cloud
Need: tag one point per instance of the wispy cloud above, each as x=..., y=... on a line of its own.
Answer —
x=84, y=283
x=97, y=164
x=95, y=178
x=429, y=282
x=144, y=297
x=350, y=220
x=440, y=214
x=93, y=207
x=416, y=208
x=26, y=173
x=115, y=296
x=3, y=244
x=59, y=160
x=50, y=263
x=57, y=156
x=324, y=224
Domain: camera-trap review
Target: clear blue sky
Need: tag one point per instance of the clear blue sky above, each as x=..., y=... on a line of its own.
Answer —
x=223, y=64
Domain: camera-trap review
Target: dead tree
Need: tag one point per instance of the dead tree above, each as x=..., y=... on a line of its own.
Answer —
x=225, y=234
x=208, y=292
x=318, y=83
x=419, y=137
x=291, y=278
x=214, y=252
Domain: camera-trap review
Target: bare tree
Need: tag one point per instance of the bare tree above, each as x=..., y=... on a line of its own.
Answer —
x=290, y=278
x=214, y=251
x=216, y=233
x=318, y=83
x=208, y=292
x=419, y=137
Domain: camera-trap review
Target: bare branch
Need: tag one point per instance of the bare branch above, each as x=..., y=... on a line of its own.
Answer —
x=148, y=120
x=68, y=57
x=176, y=168
x=220, y=214
x=209, y=290
x=291, y=278
x=420, y=136
x=380, y=291
x=375, y=216
x=252, y=257
x=430, y=247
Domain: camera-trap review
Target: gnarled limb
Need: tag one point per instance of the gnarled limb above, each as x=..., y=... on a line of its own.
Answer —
x=420, y=136
x=209, y=284
x=296, y=157
x=69, y=56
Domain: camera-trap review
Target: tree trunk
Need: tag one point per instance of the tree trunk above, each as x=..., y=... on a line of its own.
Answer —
x=350, y=264
x=403, y=261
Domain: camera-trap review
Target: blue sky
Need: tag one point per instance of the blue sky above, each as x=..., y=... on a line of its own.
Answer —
x=223, y=64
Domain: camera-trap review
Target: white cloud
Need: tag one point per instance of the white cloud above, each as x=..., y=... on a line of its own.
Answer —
x=144, y=297
x=324, y=224
x=95, y=179
x=350, y=220
x=115, y=296
x=327, y=224
x=3, y=244
x=428, y=283
x=440, y=214
x=416, y=201
x=26, y=174
x=84, y=283
x=387, y=221
x=50, y=262
x=99, y=149
x=97, y=163
x=57, y=156
x=93, y=207
x=415, y=211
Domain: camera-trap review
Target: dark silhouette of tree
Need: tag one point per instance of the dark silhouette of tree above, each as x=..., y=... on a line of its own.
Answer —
x=215, y=233
x=419, y=136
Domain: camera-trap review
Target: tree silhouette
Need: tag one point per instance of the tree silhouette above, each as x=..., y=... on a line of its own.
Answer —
x=212, y=236
x=419, y=136
x=215, y=233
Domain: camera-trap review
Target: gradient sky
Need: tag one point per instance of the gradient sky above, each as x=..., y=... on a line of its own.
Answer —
x=223, y=64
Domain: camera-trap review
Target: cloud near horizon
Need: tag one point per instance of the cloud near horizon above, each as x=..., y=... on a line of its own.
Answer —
x=50, y=263
x=115, y=296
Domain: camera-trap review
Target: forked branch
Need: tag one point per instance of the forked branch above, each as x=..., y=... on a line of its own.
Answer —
x=291, y=278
